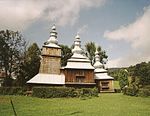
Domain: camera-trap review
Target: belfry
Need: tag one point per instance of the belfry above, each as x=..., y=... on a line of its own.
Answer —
x=49, y=72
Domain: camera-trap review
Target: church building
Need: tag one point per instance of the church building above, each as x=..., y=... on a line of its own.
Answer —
x=77, y=73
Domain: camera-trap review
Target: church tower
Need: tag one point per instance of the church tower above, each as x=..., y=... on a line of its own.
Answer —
x=51, y=55
x=49, y=73
x=104, y=82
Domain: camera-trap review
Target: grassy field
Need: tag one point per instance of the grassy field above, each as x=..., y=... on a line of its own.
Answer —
x=104, y=105
x=116, y=85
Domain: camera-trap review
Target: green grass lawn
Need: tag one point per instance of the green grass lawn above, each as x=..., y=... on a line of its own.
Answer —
x=104, y=105
x=116, y=85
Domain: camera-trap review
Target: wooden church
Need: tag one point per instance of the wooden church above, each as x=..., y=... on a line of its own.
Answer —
x=77, y=73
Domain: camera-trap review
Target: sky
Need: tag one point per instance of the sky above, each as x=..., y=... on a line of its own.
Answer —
x=120, y=27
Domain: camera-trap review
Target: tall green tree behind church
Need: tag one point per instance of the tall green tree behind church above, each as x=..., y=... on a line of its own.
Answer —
x=65, y=54
x=30, y=65
x=90, y=48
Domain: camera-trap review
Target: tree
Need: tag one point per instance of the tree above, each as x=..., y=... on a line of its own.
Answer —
x=90, y=48
x=33, y=60
x=114, y=72
x=65, y=54
x=123, y=78
x=30, y=65
x=141, y=72
x=12, y=46
x=139, y=80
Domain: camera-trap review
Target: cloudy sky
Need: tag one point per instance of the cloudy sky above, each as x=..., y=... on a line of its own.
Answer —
x=121, y=27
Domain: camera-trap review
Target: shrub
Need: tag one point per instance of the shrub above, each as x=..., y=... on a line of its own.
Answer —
x=12, y=91
x=143, y=92
x=132, y=91
x=147, y=87
x=53, y=92
x=117, y=90
x=58, y=92
x=88, y=92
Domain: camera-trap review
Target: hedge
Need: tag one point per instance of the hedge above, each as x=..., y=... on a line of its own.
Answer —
x=51, y=92
x=58, y=92
x=12, y=91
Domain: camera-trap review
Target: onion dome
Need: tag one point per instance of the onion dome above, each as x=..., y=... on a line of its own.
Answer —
x=77, y=46
x=52, y=41
x=53, y=36
x=97, y=64
x=78, y=60
x=100, y=72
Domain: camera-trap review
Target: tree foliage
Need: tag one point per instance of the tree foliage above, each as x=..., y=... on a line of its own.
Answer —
x=139, y=81
x=12, y=46
x=123, y=78
x=30, y=65
x=19, y=63
x=90, y=48
x=65, y=54
x=114, y=72
x=141, y=73
x=33, y=60
x=121, y=75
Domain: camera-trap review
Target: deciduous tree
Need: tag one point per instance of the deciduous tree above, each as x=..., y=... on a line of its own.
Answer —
x=65, y=54
x=12, y=46
x=30, y=65
x=123, y=78
x=90, y=48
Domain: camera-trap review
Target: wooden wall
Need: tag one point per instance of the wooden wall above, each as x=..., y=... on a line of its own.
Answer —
x=51, y=51
x=50, y=65
x=51, y=58
x=72, y=75
x=105, y=88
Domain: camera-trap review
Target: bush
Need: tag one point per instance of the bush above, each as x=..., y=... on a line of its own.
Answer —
x=144, y=92
x=117, y=90
x=147, y=87
x=88, y=92
x=135, y=91
x=132, y=91
x=12, y=91
x=58, y=92
x=53, y=92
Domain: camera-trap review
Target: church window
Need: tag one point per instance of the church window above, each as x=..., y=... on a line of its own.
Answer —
x=80, y=79
x=105, y=85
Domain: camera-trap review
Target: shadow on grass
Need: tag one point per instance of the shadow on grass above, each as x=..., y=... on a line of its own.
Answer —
x=73, y=113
